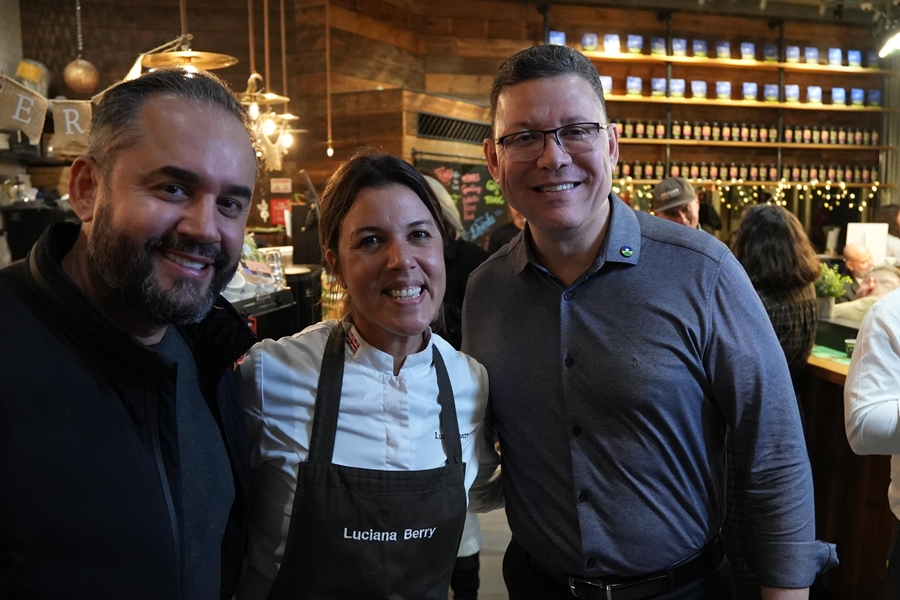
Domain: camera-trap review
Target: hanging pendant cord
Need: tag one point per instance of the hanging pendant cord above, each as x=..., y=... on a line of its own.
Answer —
x=182, y=5
x=252, y=42
x=78, y=27
x=266, y=42
x=284, y=81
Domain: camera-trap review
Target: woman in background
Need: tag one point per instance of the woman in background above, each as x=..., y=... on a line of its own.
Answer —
x=367, y=431
x=782, y=265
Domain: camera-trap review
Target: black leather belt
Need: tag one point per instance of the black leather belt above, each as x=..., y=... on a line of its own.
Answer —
x=681, y=573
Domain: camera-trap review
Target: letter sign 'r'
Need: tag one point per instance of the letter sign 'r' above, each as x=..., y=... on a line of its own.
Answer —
x=22, y=108
x=72, y=121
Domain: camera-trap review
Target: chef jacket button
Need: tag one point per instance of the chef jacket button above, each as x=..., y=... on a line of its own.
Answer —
x=583, y=497
x=591, y=563
x=569, y=361
x=567, y=295
x=576, y=430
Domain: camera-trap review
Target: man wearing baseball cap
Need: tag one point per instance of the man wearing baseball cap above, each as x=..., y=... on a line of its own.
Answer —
x=674, y=199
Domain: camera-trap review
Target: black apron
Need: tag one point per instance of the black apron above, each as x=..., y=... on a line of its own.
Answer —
x=363, y=534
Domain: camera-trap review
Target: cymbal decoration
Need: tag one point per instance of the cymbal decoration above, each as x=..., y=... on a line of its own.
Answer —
x=263, y=98
x=253, y=95
x=206, y=61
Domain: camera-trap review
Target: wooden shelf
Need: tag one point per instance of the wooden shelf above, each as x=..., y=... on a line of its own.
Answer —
x=723, y=144
x=30, y=160
x=836, y=69
x=732, y=63
x=746, y=103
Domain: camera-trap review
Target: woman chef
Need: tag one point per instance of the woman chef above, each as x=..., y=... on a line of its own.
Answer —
x=368, y=431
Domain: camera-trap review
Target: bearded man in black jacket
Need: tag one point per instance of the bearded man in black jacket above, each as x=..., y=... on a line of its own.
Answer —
x=125, y=461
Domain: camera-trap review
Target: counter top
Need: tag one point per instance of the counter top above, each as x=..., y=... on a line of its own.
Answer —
x=829, y=364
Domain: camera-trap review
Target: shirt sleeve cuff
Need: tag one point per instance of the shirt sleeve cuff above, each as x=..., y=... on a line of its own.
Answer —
x=791, y=564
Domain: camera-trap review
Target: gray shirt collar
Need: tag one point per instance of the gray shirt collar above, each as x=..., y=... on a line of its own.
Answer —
x=622, y=243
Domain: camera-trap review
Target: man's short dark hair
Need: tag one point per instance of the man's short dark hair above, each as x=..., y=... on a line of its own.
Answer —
x=539, y=62
x=114, y=119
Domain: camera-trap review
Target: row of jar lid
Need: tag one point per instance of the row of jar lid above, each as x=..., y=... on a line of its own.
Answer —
x=634, y=86
x=634, y=44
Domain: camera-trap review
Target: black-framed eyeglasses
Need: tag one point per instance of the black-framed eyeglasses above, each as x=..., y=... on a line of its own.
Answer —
x=575, y=138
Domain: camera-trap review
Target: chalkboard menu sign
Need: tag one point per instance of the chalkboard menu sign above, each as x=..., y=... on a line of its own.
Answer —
x=481, y=205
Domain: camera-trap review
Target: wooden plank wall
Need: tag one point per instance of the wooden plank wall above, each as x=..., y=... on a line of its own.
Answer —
x=450, y=49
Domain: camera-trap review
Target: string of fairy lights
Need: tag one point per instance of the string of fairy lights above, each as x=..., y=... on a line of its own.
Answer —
x=736, y=194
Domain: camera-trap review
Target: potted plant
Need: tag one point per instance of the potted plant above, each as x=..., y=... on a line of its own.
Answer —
x=829, y=285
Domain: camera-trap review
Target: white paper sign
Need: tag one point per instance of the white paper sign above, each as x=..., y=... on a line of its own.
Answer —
x=281, y=185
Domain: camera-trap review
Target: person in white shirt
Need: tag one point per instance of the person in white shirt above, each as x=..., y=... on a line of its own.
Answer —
x=367, y=432
x=871, y=405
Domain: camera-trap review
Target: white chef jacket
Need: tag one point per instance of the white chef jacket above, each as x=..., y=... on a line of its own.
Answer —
x=386, y=422
x=872, y=389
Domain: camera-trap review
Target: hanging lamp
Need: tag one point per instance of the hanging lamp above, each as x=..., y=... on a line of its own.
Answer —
x=81, y=75
x=255, y=95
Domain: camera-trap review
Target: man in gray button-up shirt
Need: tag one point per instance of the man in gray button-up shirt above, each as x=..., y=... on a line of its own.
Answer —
x=619, y=346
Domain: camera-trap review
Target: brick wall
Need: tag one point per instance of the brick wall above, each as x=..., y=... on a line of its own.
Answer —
x=10, y=36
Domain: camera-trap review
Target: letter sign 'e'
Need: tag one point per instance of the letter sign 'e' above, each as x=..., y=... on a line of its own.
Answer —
x=21, y=108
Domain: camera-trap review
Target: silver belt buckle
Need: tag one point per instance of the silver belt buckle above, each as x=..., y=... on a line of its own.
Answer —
x=606, y=588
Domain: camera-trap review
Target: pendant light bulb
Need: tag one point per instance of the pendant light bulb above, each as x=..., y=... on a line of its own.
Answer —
x=891, y=43
x=269, y=126
x=330, y=151
x=254, y=110
x=287, y=140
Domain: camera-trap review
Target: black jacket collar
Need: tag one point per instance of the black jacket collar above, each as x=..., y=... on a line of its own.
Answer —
x=218, y=340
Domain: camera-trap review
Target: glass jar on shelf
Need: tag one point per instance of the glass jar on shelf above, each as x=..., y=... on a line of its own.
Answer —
x=660, y=130
x=637, y=170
